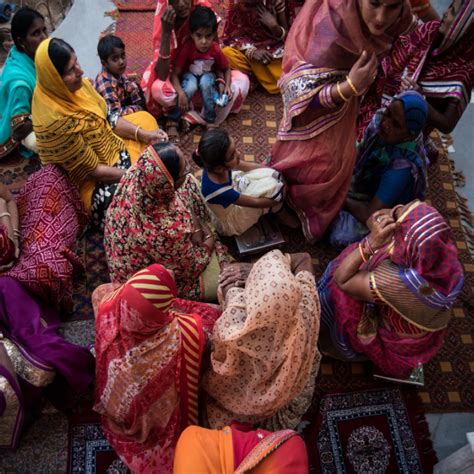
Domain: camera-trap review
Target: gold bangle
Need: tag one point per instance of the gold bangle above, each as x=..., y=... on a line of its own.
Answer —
x=341, y=95
x=136, y=133
x=361, y=251
x=352, y=86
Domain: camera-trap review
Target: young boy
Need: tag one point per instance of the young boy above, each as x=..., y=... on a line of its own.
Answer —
x=121, y=94
x=200, y=64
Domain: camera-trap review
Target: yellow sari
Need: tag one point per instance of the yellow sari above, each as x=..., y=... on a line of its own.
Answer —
x=72, y=128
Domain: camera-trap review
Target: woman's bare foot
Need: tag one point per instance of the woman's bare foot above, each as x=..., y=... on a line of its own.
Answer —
x=172, y=131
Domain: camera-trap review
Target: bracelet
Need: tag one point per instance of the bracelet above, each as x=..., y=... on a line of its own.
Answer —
x=361, y=251
x=369, y=247
x=136, y=133
x=352, y=86
x=220, y=80
x=283, y=34
x=249, y=52
x=341, y=95
x=5, y=214
x=163, y=57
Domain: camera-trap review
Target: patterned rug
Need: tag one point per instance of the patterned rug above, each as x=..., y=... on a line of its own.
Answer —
x=376, y=431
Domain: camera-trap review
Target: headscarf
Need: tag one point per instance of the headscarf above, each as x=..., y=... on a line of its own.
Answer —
x=416, y=110
x=264, y=346
x=71, y=128
x=149, y=221
x=148, y=363
x=423, y=275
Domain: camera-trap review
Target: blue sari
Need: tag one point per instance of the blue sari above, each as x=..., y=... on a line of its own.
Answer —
x=17, y=84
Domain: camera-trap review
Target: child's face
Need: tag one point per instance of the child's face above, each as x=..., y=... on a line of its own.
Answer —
x=393, y=128
x=116, y=63
x=203, y=38
x=232, y=158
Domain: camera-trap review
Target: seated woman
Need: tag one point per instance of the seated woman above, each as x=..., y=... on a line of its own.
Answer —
x=158, y=216
x=264, y=357
x=436, y=59
x=254, y=35
x=35, y=360
x=391, y=167
x=237, y=448
x=18, y=80
x=389, y=298
x=73, y=129
x=170, y=30
x=152, y=343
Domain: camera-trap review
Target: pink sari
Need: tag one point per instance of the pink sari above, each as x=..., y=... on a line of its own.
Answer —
x=160, y=95
x=317, y=156
x=414, y=281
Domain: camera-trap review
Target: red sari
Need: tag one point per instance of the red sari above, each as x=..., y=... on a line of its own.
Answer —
x=149, y=357
x=317, y=157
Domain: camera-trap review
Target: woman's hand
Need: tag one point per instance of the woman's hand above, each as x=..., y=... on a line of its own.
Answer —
x=364, y=71
x=16, y=242
x=154, y=137
x=268, y=18
x=409, y=84
x=167, y=20
x=234, y=274
x=183, y=103
x=262, y=56
x=301, y=262
x=382, y=229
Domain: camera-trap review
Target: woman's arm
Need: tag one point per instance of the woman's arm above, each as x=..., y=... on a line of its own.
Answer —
x=162, y=65
x=11, y=207
x=127, y=130
x=347, y=275
x=445, y=122
x=106, y=174
x=248, y=166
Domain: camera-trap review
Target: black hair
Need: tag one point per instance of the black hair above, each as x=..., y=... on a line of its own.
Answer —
x=21, y=23
x=202, y=17
x=107, y=44
x=60, y=54
x=170, y=158
x=212, y=149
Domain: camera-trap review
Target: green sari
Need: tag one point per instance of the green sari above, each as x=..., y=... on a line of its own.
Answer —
x=17, y=83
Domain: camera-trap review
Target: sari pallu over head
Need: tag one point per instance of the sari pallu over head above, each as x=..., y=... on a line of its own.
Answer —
x=414, y=281
x=148, y=221
x=324, y=42
x=148, y=363
x=71, y=128
x=264, y=348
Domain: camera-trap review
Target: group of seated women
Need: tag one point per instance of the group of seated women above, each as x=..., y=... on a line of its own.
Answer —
x=169, y=361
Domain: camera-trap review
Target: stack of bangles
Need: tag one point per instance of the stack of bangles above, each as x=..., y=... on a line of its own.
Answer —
x=249, y=52
x=366, y=250
x=351, y=85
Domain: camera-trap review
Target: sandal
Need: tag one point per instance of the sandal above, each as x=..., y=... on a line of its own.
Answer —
x=172, y=131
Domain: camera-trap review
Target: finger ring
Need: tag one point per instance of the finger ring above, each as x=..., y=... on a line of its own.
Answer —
x=379, y=219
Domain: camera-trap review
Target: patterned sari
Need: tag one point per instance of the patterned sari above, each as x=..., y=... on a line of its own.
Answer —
x=264, y=356
x=52, y=217
x=17, y=83
x=414, y=281
x=324, y=42
x=160, y=96
x=149, y=222
x=149, y=357
x=445, y=71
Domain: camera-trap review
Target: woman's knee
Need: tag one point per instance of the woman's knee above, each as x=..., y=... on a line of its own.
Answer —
x=163, y=93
